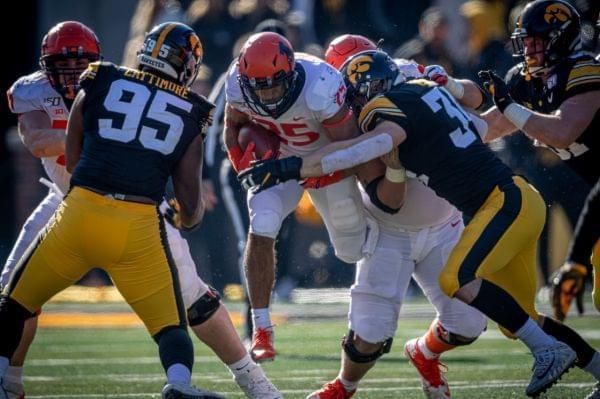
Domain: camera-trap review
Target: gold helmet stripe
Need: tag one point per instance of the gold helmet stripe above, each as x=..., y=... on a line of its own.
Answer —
x=161, y=39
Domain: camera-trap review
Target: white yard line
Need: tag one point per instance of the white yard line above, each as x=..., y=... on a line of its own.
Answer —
x=456, y=387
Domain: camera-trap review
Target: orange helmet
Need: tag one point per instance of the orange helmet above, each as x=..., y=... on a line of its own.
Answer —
x=267, y=62
x=69, y=39
x=342, y=47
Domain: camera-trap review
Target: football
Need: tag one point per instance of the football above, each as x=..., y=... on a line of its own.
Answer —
x=264, y=139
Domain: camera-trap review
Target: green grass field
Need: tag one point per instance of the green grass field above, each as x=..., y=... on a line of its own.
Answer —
x=123, y=363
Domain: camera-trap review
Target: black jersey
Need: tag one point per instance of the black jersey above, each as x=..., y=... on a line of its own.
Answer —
x=137, y=127
x=442, y=147
x=575, y=75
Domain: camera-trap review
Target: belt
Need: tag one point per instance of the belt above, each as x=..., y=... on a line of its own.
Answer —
x=122, y=197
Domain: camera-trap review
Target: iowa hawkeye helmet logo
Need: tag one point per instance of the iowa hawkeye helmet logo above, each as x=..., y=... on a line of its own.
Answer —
x=557, y=14
x=358, y=66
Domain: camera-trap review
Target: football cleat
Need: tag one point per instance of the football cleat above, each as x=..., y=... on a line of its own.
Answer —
x=182, y=391
x=332, y=390
x=256, y=385
x=431, y=371
x=262, y=349
x=551, y=362
x=595, y=394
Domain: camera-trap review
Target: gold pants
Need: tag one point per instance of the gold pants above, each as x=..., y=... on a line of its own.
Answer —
x=126, y=239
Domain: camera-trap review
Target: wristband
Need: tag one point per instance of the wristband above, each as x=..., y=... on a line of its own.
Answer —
x=395, y=175
x=455, y=88
x=517, y=114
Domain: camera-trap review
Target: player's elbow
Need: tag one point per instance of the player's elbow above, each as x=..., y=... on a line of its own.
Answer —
x=191, y=215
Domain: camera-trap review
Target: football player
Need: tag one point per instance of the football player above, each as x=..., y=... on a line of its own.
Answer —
x=207, y=316
x=417, y=231
x=301, y=99
x=553, y=96
x=492, y=266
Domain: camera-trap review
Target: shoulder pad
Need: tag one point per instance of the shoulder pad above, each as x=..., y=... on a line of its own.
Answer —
x=206, y=107
x=233, y=92
x=27, y=93
x=326, y=91
x=513, y=74
x=584, y=72
x=379, y=105
x=93, y=70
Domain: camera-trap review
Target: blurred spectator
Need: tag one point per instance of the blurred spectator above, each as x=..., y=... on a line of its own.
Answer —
x=428, y=47
x=486, y=38
x=147, y=14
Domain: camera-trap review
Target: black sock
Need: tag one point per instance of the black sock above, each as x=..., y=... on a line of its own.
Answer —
x=175, y=346
x=12, y=320
x=499, y=306
x=565, y=334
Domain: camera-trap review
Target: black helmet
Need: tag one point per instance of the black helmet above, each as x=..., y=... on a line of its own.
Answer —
x=368, y=74
x=173, y=49
x=554, y=21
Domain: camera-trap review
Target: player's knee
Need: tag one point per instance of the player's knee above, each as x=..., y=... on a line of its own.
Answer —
x=361, y=355
x=373, y=318
x=348, y=253
x=175, y=346
x=346, y=216
x=265, y=224
x=203, y=309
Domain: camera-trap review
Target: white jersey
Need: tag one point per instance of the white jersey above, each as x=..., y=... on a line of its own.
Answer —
x=35, y=93
x=422, y=208
x=300, y=128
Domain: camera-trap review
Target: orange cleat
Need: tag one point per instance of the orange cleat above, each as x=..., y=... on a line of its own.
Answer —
x=262, y=349
x=332, y=390
x=432, y=371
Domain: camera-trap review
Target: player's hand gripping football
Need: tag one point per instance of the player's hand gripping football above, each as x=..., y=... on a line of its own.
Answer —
x=270, y=172
x=496, y=86
x=568, y=283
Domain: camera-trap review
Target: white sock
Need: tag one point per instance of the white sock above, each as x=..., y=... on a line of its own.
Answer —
x=593, y=367
x=178, y=373
x=242, y=366
x=4, y=362
x=425, y=350
x=349, y=385
x=262, y=319
x=533, y=336
x=14, y=374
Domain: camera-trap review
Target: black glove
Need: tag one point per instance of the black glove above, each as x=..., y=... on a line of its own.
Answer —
x=270, y=172
x=171, y=214
x=568, y=283
x=496, y=86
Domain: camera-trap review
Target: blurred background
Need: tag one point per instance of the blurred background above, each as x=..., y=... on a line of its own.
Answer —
x=463, y=36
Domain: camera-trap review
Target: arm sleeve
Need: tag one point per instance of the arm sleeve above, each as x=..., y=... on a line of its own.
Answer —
x=23, y=98
x=587, y=231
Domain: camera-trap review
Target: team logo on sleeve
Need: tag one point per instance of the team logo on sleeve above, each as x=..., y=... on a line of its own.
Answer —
x=557, y=14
